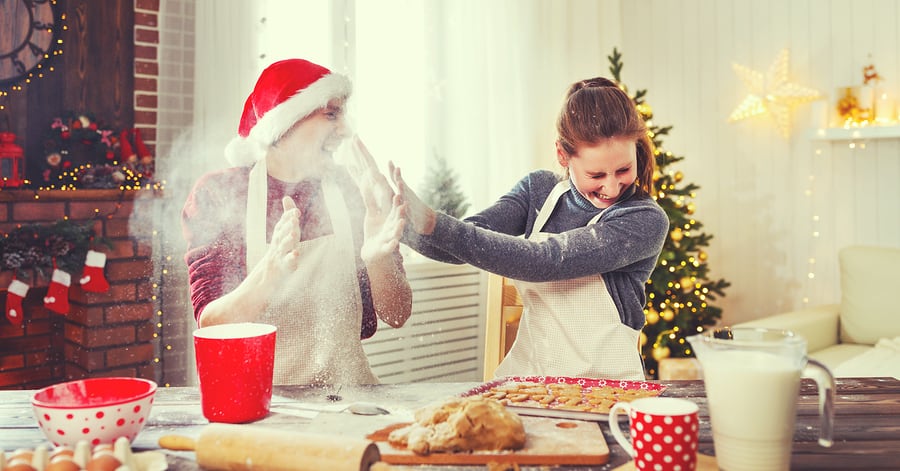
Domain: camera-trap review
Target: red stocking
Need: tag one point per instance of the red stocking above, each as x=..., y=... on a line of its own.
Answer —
x=125, y=150
x=92, y=278
x=14, y=296
x=139, y=145
x=57, y=299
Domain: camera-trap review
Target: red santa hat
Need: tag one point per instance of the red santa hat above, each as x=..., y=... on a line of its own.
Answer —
x=286, y=92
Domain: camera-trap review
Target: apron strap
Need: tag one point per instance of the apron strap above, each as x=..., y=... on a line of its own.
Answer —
x=257, y=205
x=257, y=217
x=549, y=204
x=338, y=211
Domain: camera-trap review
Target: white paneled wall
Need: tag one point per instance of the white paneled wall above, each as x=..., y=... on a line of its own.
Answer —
x=443, y=340
x=779, y=209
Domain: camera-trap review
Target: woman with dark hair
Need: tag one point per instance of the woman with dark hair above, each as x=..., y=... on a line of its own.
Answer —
x=579, y=246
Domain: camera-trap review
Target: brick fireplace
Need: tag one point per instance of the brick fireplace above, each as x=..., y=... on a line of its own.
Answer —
x=104, y=334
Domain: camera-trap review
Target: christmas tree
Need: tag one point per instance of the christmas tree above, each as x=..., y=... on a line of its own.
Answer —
x=679, y=290
x=441, y=189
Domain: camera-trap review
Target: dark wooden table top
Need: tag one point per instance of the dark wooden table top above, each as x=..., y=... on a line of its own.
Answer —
x=866, y=428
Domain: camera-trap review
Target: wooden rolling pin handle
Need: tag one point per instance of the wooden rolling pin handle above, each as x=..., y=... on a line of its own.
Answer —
x=218, y=448
x=177, y=443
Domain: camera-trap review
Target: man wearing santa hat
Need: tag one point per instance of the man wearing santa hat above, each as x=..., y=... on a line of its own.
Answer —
x=287, y=237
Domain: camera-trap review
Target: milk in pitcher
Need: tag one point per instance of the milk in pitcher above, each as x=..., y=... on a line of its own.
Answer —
x=752, y=401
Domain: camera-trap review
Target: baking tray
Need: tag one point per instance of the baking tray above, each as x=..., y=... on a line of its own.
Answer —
x=534, y=408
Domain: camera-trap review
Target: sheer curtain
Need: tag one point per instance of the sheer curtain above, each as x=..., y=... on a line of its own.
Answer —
x=512, y=66
x=453, y=80
x=490, y=69
x=227, y=62
x=476, y=82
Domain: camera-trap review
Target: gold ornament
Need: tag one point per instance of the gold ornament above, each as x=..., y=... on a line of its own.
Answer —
x=847, y=105
x=691, y=208
x=643, y=339
x=771, y=94
x=668, y=315
x=679, y=176
x=677, y=234
x=652, y=317
x=660, y=353
x=702, y=255
x=686, y=284
x=645, y=110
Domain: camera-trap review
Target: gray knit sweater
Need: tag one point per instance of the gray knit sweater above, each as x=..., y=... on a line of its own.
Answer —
x=623, y=246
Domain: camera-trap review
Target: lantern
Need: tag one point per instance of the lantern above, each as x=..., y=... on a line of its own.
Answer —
x=12, y=162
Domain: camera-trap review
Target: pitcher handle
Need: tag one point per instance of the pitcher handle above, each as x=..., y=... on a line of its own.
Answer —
x=825, y=381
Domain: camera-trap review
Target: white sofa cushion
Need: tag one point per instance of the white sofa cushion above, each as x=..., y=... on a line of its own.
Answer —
x=839, y=354
x=817, y=324
x=869, y=309
x=881, y=360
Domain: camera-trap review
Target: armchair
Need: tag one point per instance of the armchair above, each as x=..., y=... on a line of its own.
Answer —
x=860, y=336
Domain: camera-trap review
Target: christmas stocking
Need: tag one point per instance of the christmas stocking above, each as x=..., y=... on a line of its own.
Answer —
x=139, y=145
x=92, y=278
x=16, y=293
x=57, y=299
x=126, y=151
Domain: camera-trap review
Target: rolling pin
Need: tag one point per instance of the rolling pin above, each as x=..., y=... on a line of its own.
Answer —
x=228, y=447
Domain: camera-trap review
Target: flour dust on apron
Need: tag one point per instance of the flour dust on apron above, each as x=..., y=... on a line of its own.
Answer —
x=318, y=310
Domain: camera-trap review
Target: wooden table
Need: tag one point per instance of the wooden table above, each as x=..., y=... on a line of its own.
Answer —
x=866, y=432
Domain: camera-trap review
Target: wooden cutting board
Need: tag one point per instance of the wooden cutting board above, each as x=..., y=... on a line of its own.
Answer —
x=548, y=441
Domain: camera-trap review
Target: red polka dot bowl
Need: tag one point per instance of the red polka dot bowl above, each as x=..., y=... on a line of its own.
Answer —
x=97, y=410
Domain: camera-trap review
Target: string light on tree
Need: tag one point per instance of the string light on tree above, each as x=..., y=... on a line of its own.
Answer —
x=771, y=94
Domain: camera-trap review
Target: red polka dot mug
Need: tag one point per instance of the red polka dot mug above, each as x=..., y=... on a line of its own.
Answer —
x=663, y=430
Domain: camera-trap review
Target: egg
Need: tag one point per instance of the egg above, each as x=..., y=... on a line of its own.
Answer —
x=103, y=447
x=103, y=461
x=62, y=463
x=62, y=451
x=18, y=464
x=21, y=454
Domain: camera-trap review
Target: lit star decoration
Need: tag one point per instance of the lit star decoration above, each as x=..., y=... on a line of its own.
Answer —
x=771, y=94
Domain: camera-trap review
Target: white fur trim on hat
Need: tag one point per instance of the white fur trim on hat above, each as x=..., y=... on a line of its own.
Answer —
x=272, y=126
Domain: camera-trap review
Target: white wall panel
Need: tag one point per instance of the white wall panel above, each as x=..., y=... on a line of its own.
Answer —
x=779, y=209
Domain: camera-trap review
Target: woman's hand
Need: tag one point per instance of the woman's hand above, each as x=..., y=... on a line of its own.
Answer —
x=420, y=216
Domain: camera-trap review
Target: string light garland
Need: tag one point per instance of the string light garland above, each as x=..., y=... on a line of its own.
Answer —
x=82, y=152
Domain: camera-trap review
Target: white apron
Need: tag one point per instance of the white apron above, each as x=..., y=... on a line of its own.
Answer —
x=570, y=327
x=318, y=309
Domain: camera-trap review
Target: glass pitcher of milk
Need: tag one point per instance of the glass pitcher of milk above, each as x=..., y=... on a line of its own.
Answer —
x=752, y=378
